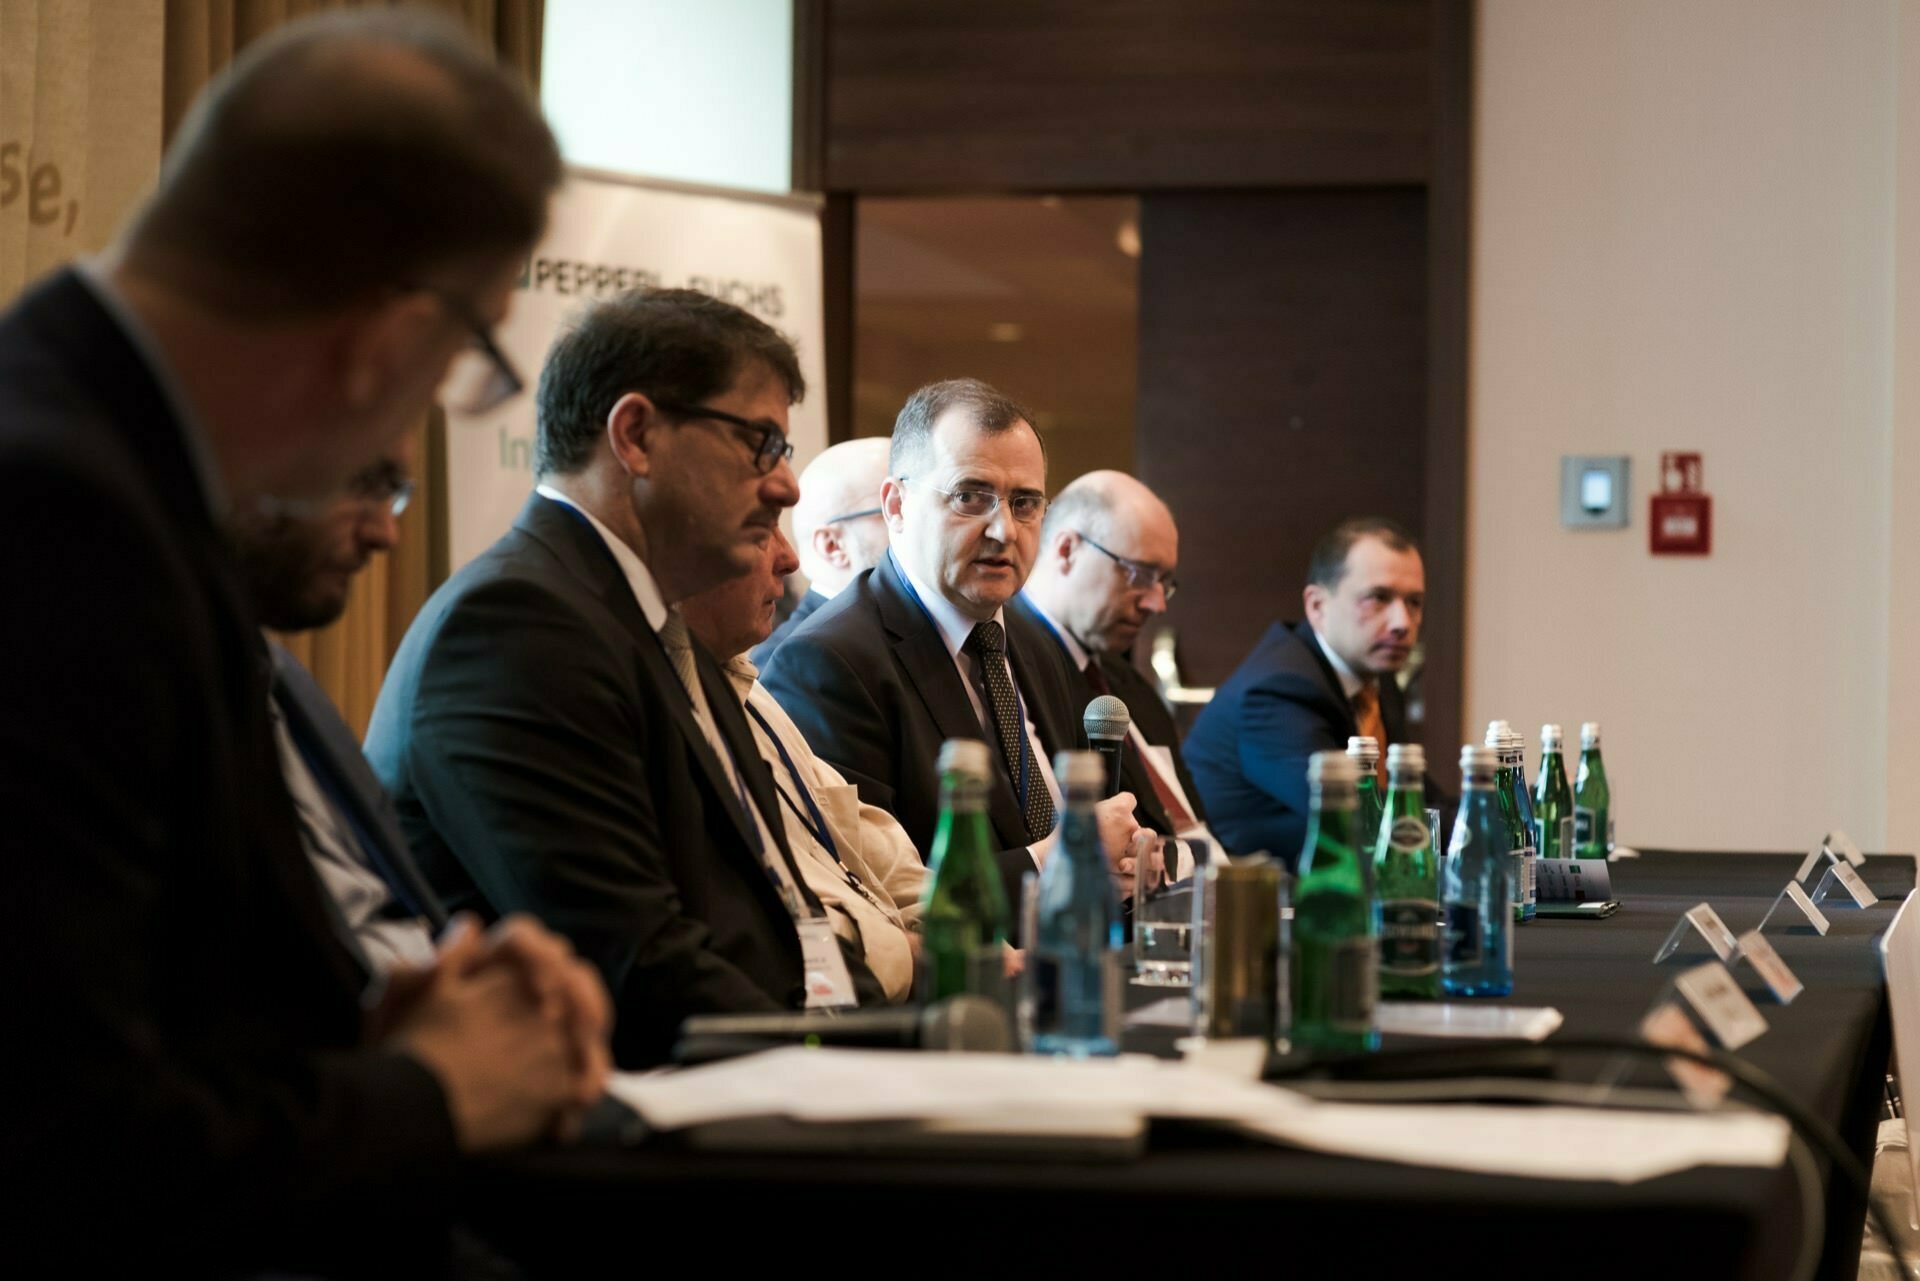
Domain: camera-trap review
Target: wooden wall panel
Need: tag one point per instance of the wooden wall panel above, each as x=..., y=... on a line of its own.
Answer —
x=1125, y=95
x=1283, y=387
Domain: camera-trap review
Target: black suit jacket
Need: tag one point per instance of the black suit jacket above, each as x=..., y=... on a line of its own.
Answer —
x=762, y=653
x=1024, y=615
x=1250, y=746
x=350, y=783
x=543, y=758
x=185, y=1021
x=869, y=681
x=1153, y=719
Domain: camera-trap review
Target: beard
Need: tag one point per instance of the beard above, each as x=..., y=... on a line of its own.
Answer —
x=281, y=573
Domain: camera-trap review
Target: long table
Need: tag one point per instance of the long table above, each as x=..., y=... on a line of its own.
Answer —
x=1199, y=1198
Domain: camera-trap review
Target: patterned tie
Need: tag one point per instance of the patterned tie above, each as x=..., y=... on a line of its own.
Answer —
x=679, y=647
x=989, y=643
x=1367, y=721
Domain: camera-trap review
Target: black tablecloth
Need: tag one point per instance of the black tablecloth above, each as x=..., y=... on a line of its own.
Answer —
x=1201, y=1199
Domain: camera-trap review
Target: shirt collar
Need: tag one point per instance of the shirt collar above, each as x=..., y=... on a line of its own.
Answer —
x=645, y=590
x=199, y=448
x=1349, y=683
x=1076, y=652
x=741, y=673
x=954, y=627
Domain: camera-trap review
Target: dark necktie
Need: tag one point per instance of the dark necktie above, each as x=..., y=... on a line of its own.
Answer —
x=988, y=644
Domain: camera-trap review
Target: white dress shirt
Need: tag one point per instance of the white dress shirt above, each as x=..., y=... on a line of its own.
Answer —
x=954, y=628
x=1349, y=683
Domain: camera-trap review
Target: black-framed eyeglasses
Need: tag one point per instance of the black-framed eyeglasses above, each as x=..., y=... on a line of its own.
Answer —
x=769, y=451
x=1141, y=576
x=481, y=378
x=980, y=504
x=844, y=517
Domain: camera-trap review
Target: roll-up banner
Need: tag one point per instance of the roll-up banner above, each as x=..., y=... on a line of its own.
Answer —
x=611, y=233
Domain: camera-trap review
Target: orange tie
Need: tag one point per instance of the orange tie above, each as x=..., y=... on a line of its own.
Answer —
x=1366, y=716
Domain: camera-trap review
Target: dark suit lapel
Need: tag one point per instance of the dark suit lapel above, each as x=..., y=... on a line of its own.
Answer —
x=922, y=654
x=579, y=546
x=312, y=719
x=1303, y=632
x=732, y=723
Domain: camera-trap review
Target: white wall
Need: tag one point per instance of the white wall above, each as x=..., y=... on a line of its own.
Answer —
x=693, y=92
x=1903, y=632
x=1684, y=238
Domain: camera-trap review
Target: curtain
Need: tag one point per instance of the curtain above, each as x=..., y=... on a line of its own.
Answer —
x=350, y=658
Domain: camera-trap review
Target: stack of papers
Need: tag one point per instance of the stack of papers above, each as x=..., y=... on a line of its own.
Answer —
x=977, y=1093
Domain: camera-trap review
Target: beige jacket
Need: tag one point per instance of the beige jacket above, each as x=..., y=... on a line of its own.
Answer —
x=878, y=910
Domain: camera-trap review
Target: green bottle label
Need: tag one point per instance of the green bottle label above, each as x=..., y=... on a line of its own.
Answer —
x=1409, y=937
x=1583, y=825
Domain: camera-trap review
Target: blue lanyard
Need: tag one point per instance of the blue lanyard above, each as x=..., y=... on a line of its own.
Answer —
x=1019, y=701
x=817, y=828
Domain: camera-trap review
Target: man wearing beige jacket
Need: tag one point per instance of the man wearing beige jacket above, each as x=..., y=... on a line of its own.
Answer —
x=855, y=857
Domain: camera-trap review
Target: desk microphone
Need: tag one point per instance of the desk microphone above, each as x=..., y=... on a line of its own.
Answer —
x=1107, y=721
x=958, y=1023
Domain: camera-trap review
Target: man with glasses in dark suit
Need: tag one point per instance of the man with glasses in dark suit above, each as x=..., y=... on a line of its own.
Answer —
x=205, y=1080
x=1108, y=554
x=917, y=651
x=555, y=740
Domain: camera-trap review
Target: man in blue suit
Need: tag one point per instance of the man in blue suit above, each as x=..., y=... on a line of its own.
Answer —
x=297, y=571
x=1308, y=686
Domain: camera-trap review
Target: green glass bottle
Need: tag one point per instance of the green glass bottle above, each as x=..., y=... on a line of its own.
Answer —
x=1406, y=872
x=1364, y=751
x=1334, y=954
x=964, y=921
x=1552, y=799
x=1519, y=840
x=1592, y=801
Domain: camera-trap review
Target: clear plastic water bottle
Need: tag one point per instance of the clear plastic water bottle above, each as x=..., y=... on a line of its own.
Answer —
x=1074, y=956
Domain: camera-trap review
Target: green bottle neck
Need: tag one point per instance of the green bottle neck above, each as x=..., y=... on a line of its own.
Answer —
x=1406, y=796
x=1330, y=829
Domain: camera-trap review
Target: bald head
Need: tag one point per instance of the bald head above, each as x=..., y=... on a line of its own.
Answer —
x=1108, y=551
x=343, y=157
x=837, y=522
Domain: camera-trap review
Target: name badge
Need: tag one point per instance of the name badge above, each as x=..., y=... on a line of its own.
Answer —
x=1757, y=952
x=1702, y=921
x=1843, y=875
x=829, y=985
x=1796, y=897
x=1730, y=1017
x=1669, y=1027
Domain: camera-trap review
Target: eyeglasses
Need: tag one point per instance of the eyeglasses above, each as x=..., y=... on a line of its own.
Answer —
x=844, y=517
x=772, y=447
x=1140, y=575
x=384, y=485
x=979, y=504
x=480, y=378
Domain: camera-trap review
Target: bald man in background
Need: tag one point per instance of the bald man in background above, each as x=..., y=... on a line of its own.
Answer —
x=838, y=527
x=1108, y=552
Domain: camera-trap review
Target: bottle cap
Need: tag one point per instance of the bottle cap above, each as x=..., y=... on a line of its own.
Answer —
x=1407, y=757
x=1590, y=733
x=1332, y=767
x=1514, y=742
x=1551, y=737
x=1476, y=758
x=966, y=756
x=1079, y=769
x=1497, y=732
x=1365, y=747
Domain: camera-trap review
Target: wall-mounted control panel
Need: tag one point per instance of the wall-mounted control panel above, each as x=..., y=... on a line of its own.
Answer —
x=1593, y=491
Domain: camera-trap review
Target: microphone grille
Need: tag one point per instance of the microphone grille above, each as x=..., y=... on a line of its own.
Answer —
x=1107, y=718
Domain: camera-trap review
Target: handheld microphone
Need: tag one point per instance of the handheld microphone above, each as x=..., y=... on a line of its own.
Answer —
x=1106, y=721
x=970, y=1023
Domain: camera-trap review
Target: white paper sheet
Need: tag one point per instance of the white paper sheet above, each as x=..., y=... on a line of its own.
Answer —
x=827, y=1086
x=1475, y=1022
